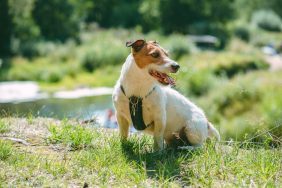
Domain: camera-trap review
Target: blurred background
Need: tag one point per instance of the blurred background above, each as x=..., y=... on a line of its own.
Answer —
x=61, y=58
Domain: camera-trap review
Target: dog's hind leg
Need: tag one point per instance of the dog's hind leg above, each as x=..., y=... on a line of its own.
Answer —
x=123, y=125
x=196, y=132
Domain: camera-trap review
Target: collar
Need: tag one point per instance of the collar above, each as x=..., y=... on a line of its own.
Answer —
x=149, y=93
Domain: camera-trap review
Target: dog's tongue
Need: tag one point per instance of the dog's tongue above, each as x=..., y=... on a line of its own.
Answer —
x=171, y=81
x=168, y=80
x=163, y=78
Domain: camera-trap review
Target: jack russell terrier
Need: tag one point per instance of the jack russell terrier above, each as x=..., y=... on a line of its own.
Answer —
x=143, y=97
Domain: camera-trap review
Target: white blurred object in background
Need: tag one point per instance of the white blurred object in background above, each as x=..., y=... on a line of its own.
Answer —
x=20, y=91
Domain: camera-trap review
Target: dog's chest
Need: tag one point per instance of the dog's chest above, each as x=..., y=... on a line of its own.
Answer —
x=147, y=110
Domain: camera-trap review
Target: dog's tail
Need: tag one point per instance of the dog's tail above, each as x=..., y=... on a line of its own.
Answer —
x=212, y=132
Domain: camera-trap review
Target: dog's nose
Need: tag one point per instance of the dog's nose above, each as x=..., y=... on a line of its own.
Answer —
x=175, y=67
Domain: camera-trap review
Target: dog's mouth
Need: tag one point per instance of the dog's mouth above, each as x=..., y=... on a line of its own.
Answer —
x=163, y=78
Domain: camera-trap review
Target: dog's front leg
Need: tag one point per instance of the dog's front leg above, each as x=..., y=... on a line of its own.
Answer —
x=159, y=127
x=123, y=125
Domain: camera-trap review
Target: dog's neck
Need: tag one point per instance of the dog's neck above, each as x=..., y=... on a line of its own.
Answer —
x=136, y=81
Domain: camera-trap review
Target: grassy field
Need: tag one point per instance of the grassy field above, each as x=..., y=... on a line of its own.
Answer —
x=66, y=154
x=233, y=86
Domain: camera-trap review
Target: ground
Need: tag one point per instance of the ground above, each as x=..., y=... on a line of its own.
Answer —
x=40, y=152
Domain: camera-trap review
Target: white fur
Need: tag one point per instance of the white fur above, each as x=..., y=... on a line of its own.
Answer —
x=169, y=110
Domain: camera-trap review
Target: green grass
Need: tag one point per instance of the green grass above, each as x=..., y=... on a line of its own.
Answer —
x=4, y=127
x=105, y=161
x=74, y=136
x=5, y=150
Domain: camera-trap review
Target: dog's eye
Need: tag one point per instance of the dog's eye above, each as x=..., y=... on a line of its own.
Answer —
x=155, y=54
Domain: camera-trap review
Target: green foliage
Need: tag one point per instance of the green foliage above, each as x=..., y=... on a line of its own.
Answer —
x=242, y=33
x=37, y=70
x=178, y=45
x=204, y=70
x=110, y=16
x=60, y=24
x=26, y=21
x=193, y=12
x=25, y=31
x=245, y=8
x=267, y=19
x=73, y=135
x=6, y=28
x=242, y=106
x=150, y=13
x=5, y=150
x=261, y=38
x=271, y=109
x=195, y=82
x=102, y=53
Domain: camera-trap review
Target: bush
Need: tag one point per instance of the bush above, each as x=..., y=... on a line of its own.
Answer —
x=178, y=45
x=261, y=38
x=40, y=69
x=102, y=54
x=235, y=64
x=246, y=106
x=226, y=63
x=267, y=19
x=195, y=82
x=242, y=33
x=203, y=71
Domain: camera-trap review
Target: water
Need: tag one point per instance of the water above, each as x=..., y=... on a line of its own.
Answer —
x=81, y=108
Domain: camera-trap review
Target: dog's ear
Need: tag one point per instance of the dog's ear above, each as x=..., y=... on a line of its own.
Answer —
x=136, y=45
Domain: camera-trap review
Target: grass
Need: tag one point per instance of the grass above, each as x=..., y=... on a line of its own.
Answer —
x=5, y=150
x=98, y=158
x=4, y=127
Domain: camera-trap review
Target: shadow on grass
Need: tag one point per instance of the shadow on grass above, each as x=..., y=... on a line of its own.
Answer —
x=165, y=165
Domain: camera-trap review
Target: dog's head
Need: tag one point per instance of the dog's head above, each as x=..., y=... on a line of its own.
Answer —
x=152, y=57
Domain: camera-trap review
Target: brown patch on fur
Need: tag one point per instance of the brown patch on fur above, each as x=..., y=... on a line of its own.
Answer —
x=178, y=139
x=145, y=57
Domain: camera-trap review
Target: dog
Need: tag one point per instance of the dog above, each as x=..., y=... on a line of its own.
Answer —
x=143, y=96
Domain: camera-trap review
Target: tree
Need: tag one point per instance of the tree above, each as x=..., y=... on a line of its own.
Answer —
x=5, y=29
x=25, y=31
x=194, y=16
x=112, y=13
x=56, y=19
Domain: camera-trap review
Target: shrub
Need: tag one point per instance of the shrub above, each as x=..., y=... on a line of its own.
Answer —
x=229, y=64
x=247, y=106
x=239, y=64
x=267, y=19
x=196, y=82
x=178, y=45
x=98, y=54
x=261, y=38
x=242, y=33
x=201, y=72
x=40, y=69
